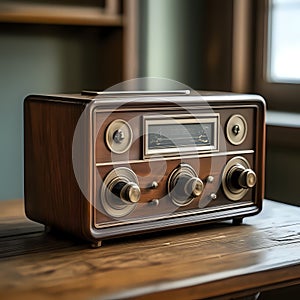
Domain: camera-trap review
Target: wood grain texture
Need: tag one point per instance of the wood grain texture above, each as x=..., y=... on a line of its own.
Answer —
x=52, y=194
x=202, y=262
x=57, y=14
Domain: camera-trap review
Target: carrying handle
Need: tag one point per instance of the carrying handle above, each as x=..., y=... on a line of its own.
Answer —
x=135, y=93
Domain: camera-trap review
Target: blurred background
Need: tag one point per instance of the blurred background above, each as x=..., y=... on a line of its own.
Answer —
x=248, y=46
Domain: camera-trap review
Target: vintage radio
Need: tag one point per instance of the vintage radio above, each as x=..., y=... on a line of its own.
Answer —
x=104, y=165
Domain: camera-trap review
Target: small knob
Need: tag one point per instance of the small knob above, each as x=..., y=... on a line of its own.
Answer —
x=118, y=136
x=213, y=196
x=210, y=179
x=236, y=129
x=128, y=192
x=154, y=185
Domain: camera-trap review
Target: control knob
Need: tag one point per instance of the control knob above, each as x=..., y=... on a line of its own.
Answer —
x=120, y=192
x=184, y=185
x=238, y=178
x=188, y=186
x=128, y=192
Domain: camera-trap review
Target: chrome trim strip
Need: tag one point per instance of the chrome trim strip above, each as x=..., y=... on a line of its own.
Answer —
x=179, y=214
x=240, y=152
x=188, y=108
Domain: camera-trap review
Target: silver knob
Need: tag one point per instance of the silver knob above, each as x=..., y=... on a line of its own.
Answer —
x=210, y=179
x=154, y=185
x=213, y=196
x=193, y=187
x=236, y=129
x=154, y=202
x=188, y=186
x=128, y=192
x=184, y=185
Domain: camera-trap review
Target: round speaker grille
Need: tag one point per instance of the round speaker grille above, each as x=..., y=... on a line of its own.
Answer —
x=236, y=129
x=119, y=136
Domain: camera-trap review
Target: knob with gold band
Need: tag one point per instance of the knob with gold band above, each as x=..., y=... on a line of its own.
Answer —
x=237, y=178
x=247, y=178
x=184, y=185
x=128, y=192
x=120, y=192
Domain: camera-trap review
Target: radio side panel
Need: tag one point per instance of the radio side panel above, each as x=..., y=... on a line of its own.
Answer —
x=52, y=195
x=260, y=151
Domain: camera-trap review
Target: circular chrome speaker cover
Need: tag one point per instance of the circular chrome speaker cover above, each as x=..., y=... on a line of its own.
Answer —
x=118, y=136
x=236, y=129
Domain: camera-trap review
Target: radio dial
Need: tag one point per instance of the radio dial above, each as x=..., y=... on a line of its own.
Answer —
x=120, y=192
x=184, y=185
x=129, y=192
x=247, y=179
x=193, y=186
x=237, y=178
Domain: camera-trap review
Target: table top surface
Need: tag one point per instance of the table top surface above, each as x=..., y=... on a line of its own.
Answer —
x=200, y=262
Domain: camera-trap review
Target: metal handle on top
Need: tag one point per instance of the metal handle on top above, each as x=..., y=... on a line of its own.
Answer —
x=128, y=93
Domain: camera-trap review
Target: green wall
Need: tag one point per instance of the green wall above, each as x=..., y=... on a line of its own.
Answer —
x=171, y=40
x=28, y=64
x=37, y=59
x=53, y=59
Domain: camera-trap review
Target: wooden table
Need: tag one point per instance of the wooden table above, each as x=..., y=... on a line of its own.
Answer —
x=208, y=261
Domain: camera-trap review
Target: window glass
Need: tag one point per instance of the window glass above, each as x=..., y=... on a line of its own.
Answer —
x=284, y=43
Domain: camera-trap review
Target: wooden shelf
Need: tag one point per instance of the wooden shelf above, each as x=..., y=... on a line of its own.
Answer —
x=57, y=14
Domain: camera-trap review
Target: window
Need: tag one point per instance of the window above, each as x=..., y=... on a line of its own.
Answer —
x=277, y=78
x=284, y=41
x=277, y=75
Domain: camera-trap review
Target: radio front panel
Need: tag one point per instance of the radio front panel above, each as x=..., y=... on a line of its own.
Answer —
x=157, y=144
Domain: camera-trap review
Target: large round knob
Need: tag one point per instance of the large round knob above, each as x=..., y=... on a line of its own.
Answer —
x=128, y=192
x=247, y=179
x=237, y=178
x=184, y=185
x=189, y=186
x=240, y=177
x=120, y=192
